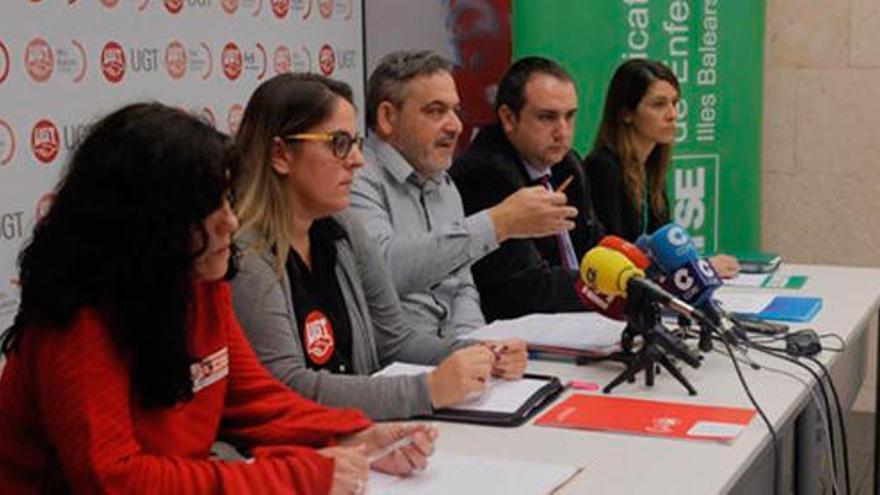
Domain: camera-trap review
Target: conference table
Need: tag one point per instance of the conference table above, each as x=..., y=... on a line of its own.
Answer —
x=626, y=463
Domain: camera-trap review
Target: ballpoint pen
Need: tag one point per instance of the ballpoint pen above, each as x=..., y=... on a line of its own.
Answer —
x=391, y=447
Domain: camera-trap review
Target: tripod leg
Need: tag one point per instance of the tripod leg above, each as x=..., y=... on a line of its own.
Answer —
x=629, y=374
x=664, y=361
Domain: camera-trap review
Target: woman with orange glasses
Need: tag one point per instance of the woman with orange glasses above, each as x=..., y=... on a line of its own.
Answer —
x=313, y=294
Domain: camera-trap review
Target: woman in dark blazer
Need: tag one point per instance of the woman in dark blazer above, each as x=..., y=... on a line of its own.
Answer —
x=627, y=166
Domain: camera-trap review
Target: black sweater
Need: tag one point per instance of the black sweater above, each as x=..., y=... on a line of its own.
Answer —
x=613, y=207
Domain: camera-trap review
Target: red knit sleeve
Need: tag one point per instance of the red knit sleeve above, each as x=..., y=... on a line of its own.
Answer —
x=260, y=410
x=83, y=393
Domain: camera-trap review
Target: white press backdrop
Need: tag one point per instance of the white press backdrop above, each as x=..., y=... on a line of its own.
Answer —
x=63, y=63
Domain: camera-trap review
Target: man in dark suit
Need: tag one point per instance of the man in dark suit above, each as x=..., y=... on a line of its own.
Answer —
x=531, y=144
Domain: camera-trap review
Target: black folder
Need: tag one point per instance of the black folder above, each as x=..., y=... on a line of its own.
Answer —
x=537, y=401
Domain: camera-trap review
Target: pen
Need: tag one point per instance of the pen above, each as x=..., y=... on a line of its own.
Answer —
x=497, y=350
x=565, y=184
x=391, y=447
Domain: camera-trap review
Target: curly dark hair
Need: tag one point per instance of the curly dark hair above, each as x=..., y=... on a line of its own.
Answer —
x=122, y=236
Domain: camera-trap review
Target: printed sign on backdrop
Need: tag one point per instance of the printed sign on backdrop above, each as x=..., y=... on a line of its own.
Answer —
x=65, y=63
x=715, y=49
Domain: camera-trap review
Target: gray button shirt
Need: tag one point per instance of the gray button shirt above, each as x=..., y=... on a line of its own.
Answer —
x=427, y=242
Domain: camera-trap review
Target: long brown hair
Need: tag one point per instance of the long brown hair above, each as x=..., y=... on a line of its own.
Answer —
x=628, y=86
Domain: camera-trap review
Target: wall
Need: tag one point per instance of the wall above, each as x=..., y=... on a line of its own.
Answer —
x=821, y=148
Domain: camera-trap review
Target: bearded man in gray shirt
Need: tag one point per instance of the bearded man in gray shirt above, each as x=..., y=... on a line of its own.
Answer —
x=411, y=207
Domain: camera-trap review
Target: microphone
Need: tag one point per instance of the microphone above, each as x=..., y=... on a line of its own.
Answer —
x=612, y=273
x=689, y=277
x=643, y=243
x=628, y=249
x=670, y=244
x=608, y=306
x=611, y=306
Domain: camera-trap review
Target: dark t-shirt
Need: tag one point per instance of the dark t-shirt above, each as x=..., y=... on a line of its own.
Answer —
x=321, y=314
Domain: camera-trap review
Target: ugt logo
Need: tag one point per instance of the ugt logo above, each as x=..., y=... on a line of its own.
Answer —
x=39, y=60
x=175, y=60
x=232, y=61
x=280, y=8
x=229, y=6
x=283, y=59
x=326, y=60
x=113, y=62
x=45, y=141
x=173, y=6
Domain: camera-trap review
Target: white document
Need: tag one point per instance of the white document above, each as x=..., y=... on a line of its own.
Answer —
x=744, y=302
x=579, y=331
x=748, y=280
x=722, y=431
x=504, y=396
x=453, y=474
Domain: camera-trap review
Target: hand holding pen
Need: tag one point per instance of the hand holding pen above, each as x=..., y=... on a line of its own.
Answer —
x=401, y=448
x=511, y=356
x=463, y=374
x=533, y=211
x=393, y=448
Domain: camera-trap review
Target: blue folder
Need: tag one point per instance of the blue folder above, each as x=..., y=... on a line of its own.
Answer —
x=791, y=308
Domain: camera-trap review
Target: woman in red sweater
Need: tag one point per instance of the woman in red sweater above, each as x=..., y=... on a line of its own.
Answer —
x=125, y=361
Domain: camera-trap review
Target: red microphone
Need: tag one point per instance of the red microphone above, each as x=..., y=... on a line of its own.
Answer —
x=628, y=249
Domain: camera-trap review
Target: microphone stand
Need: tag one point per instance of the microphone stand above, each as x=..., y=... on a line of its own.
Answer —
x=643, y=319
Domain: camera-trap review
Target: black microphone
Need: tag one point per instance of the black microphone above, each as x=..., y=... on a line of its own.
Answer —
x=690, y=278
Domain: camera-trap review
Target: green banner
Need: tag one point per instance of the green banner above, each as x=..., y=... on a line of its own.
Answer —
x=715, y=48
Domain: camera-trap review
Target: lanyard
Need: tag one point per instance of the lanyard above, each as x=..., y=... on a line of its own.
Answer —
x=644, y=201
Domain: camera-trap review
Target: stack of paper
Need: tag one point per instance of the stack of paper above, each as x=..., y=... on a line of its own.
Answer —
x=580, y=332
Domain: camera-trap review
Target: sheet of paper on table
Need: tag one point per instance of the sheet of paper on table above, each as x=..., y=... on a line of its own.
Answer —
x=450, y=473
x=580, y=331
x=500, y=396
